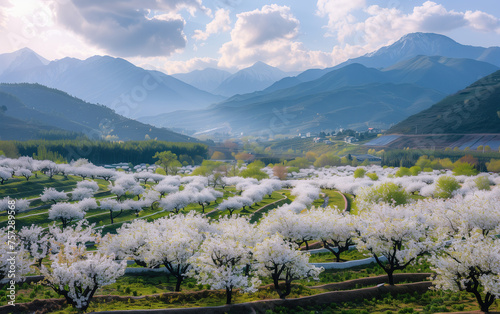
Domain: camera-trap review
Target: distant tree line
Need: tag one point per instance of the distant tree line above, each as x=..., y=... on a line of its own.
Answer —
x=101, y=152
x=408, y=158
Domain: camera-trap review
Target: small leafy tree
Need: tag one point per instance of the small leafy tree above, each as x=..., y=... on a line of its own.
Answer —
x=218, y=155
x=165, y=159
x=253, y=171
x=493, y=165
x=482, y=183
x=464, y=169
x=445, y=186
x=403, y=171
x=359, y=173
x=280, y=171
x=388, y=192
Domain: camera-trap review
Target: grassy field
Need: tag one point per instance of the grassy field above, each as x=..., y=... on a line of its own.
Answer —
x=20, y=188
x=335, y=199
x=328, y=257
x=39, y=213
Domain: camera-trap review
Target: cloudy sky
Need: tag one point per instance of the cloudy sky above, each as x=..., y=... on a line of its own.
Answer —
x=182, y=35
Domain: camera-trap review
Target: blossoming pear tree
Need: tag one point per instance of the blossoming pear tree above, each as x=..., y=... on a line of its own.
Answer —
x=472, y=264
x=220, y=263
x=397, y=233
x=281, y=260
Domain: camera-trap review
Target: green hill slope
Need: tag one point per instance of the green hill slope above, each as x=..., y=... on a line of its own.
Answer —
x=38, y=105
x=475, y=109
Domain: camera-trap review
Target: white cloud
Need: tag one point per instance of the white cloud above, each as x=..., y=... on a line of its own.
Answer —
x=339, y=13
x=150, y=31
x=174, y=66
x=385, y=25
x=482, y=21
x=268, y=35
x=220, y=23
x=257, y=27
x=32, y=23
x=129, y=28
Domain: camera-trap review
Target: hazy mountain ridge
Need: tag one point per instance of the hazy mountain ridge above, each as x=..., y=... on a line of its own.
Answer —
x=389, y=95
x=407, y=47
x=443, y=74
x=114, y=82
x=19, y=60
x=376, y=105
x=207, y=79
x=255, y=78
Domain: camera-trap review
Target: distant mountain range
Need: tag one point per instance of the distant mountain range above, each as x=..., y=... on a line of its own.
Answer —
x=21, y=60
x=378, y=89
x=353, y=96
x=407, y=47
x=113, y=82
x=475, y=109
x=257, y=77
x=254, y=78
x=28, y=110
x=207, y=79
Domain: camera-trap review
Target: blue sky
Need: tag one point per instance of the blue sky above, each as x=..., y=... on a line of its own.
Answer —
x=182, y=35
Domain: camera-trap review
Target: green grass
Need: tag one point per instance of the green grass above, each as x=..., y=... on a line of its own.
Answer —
x=428, y=302
x=370, y=270
x=20, y=188
x=328, y=257
x=275, y=196
x=352, y=205
x=335, y=199
x=258, y=215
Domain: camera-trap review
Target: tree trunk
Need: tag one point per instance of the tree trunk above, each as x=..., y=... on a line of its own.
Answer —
x=288, y=289
x=390, y=275
x=488, y=299
x=178, y=284
x=330, y=248
x=229, y=292
x=277, y=286
x=247, y=269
